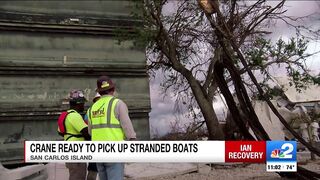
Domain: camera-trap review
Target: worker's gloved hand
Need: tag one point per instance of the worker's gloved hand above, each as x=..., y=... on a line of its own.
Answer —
x=85, y=134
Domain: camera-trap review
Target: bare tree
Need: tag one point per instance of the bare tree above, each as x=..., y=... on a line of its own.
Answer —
x=230, y=41
x=190, y=46
x=231, y=45
x=179, y=49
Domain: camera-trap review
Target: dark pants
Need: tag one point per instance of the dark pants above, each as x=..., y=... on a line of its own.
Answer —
x=92, y=171
x=77, y=171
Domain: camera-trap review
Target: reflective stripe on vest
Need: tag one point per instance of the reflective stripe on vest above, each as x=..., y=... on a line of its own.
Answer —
x=104, y=124
x=97, y=126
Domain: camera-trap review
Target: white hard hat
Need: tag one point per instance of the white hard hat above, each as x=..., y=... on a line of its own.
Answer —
x=96, y=97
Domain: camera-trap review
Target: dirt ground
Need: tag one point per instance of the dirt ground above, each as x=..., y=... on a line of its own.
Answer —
x=246, y=172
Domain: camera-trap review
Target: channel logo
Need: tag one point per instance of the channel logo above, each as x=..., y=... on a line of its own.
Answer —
x=277, y=154
x=281, y=156
x=281, y=150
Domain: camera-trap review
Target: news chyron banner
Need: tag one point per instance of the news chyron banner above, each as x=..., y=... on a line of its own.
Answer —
x=278, y=155
x=124, y=151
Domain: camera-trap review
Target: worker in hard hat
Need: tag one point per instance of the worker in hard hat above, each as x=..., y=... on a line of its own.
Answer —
x=109, y=121
x=96, y=97
x=76, y=130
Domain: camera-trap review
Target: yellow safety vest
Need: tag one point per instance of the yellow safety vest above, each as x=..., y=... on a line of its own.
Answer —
x=74, y=124
x=104, y=124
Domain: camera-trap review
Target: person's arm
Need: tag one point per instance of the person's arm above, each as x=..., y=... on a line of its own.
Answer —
x=89, y=122
x=125, y=122
x=85, y=134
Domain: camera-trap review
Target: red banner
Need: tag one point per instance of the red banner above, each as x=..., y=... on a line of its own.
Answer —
x=245, y=151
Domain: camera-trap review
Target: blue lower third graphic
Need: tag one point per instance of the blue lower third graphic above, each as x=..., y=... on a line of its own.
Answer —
x=281, y=156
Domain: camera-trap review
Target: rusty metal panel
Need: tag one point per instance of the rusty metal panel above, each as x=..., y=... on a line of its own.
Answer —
x=49, y=48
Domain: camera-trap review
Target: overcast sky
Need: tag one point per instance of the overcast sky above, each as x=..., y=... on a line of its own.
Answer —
x=162, y=114
x=300, y=9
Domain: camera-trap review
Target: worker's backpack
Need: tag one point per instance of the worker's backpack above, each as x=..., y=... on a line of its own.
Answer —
x=61, y=123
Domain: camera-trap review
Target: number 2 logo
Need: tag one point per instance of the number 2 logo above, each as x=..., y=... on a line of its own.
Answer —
x=288, y=149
